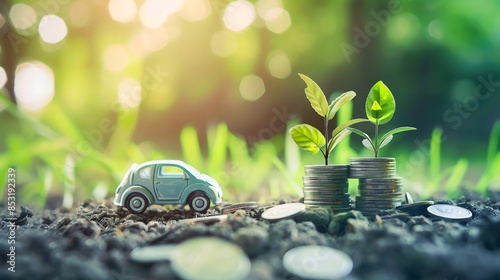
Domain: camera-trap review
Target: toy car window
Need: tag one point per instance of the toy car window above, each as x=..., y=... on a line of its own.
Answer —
x=145, y=173
x=171, y=171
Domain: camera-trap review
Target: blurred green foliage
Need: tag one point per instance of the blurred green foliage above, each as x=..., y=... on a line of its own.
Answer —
x=185, y=81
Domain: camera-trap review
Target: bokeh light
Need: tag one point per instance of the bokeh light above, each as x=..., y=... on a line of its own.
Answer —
x=154, y=13
x=238, y=15
x=278, y=20
x=279, y=65
x=122, y=10
x=33, y=85
x=79, y=13
x=129, y=93
x=3, y=77
x=115, y=58
x=22, y=16
x=252, y=87
x=435, y=29
x=52, y=29
x=263, y=6
x=224, y=43
x=404, y=27
x=195, y=10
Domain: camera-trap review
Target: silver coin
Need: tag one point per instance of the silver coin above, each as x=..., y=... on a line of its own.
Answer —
x=326, y=167
x=283, y=211
x=408, y=198
x=449, y=212
x=416, y=208
x=317, y=262
x=333, y=208
x=379, y=187
x=326, y=191
x=378, y=159
x=151, y=254
x=237, y=206
x=363, y=192
x=385, y=198
x=329, y=203
x=205, y=258
x=205, y=220
x=391, y=180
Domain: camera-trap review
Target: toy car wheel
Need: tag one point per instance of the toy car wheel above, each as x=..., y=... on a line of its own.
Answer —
x=136, y=203
x=199, y=202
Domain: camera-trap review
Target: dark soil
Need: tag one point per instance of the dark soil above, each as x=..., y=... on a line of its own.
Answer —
x=94, y=242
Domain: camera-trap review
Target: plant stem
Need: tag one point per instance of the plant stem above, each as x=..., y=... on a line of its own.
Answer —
x=376, y=139
x=327, y=152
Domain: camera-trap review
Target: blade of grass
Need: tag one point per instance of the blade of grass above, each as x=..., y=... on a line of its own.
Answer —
x=488, y=176
x=493, y=143
x=190, y=144
x=457, y=175
x=435, y=158
x=217, y=147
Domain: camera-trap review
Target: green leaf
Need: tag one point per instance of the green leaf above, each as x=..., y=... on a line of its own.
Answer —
x=315, y=96
x=339, y=102
x=380, y=105
x=367, y=144
x=337, y=139
x=360, y=133
x=394, y=131
x=341, y=127
x=308, y=137
x=386, y=141
x=364, y=135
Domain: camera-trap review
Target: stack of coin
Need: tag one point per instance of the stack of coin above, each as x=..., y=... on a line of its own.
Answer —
x=372, y=168
x=378, y=193
x=327, y=186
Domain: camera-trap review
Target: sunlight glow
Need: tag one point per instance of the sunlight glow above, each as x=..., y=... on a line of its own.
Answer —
x=22, y=16
x=52, y=29
x=264, y=6
x=279, y=66
x=195, y=10
x=154, y=13
x=115, y=58
x=252, y=87
x=3, y=77
x=122, y=10
x=278, y=20
x=129, y=93
x=238, y=15
x=33, y=85
x=224, y=43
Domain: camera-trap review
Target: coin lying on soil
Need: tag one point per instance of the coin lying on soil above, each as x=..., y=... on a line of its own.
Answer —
x=449, y=212
x=151, y=254
x=317, y=262
x=283, y=211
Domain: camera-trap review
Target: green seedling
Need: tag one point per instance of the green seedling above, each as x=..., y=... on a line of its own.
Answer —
x=310, y=138
x=380, y=107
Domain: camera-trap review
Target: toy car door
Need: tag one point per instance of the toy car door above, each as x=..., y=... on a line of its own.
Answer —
x=170, y=182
